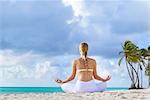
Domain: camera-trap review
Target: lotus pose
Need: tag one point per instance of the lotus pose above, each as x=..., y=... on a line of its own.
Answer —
x=88, y=79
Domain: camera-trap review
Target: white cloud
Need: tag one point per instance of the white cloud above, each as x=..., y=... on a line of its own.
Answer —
x=79, y=11
x=28, y=66
x=77, y=6
x=109, y=17
x=9, y=58
x=41, y=69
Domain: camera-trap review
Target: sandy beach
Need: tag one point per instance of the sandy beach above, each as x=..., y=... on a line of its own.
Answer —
x=107, y=95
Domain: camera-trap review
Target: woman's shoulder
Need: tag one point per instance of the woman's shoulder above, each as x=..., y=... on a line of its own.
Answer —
x=92, y=59
x=76, y=59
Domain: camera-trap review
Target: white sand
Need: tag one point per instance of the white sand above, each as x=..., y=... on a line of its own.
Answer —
x=108, y=95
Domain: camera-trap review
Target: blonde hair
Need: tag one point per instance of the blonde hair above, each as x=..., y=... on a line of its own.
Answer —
x=84, y=48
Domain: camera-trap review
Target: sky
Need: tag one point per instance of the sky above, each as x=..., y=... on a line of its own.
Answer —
x=39, y=39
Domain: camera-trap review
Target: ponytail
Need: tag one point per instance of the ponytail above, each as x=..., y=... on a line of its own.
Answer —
x=85, y=55
x=84, y=48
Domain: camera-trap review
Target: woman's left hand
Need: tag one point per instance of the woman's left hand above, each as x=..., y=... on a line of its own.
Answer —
x=59, y=81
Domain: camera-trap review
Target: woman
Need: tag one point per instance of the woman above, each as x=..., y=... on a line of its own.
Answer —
x=85, y=68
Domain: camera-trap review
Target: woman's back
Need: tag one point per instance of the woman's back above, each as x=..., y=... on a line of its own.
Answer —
x=85, y=69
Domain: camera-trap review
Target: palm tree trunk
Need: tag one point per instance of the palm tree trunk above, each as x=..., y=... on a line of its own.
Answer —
x=149, y=82
x=132, y=74
x=137, y=76
x=133, y=85
x=141, y=79
x=131, y=77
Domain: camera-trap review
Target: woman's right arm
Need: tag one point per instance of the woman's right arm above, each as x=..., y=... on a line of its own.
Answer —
x=73, y=73
x=71, y=77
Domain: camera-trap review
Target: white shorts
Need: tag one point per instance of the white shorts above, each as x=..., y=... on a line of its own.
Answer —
x=81, y=86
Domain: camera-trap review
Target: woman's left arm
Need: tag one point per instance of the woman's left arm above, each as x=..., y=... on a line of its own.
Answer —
x=73, y=73
x=96, y=76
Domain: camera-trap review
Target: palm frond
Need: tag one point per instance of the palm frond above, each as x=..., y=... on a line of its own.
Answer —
x=119, y=62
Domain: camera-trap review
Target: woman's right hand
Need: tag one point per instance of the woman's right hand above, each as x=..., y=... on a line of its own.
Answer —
x=59, y=81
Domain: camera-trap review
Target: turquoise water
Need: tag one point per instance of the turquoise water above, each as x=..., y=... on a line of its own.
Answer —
x=40, y=89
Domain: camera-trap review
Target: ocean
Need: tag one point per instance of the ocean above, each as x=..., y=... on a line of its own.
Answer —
x=40, y=89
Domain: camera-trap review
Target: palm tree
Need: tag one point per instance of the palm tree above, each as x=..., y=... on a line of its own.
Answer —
x=147, y=71
x=144, y=53
x=129, y=53
x=135, y=61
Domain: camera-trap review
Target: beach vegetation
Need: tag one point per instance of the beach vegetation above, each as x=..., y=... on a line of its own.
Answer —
x=135, y=60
